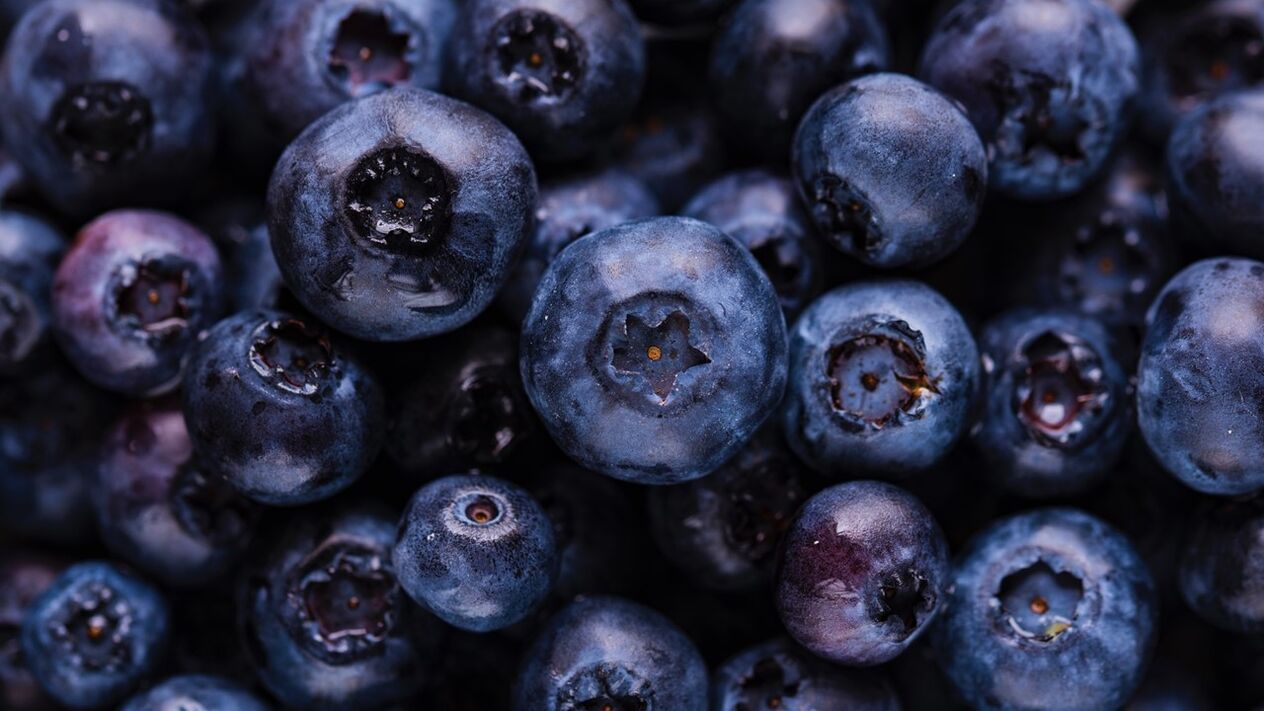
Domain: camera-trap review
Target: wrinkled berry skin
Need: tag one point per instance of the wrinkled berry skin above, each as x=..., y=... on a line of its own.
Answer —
x=881, y=545
x=77, y=670
x=1080, y=622
x=779, y=675
x=107, y=102
x=607, y=650
x=569, y=209
x=240, y=230
x=1057, y=408
x=282, y=412
x=196, y=691
x=158, y=509
x=1215, y=167
x=30, y=249
x=476, y=551
x=560, y=73
x=411, y=251
x=859, y=195
x=773, y=58
x=1200, y=368
x=23, y=576
x=882, y=375
x=664, y=331
x=1049, y=84
x=1220, y=572
x=762, y=211
x=130, y=297
x=674, y=149
x=324, y=620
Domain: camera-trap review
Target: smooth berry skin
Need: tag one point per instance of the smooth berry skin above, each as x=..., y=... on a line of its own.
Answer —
x=869, y=149
x=283, y=413
x=772, y=58
x=561, y=73
x=607, y=650
x=1220, y=574
x=568, y=209
x=78, y=671
x=196, y=691
x=476, y=551
x=1057, y=403
x=762, y=211
x=435, y=269
x=1214, y=161
x=881, y=545
x=1049, y=84
x=157, y=507
x=24, y=575
x=324, y=620
x=1059, y=646
x=664, y=331
x=674, y=149
x=777, y=674
x=830, y=420
x=144, y=59
x=30, y=249
x=1199, y=356
x=131, y=296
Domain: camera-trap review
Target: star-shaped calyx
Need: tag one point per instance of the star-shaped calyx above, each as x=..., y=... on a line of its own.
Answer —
x=659, y=353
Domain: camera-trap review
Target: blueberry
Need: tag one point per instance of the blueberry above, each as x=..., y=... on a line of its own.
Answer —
x=29, y=251
x=195, y=691
x=882, y=374
x=23, y=577
x=569, y=209
x=1199, y=377
x=1049, y=84
x=778, y=675
x=251, y=275
x=159, y=509
x=654, y=350
x=723, y=529
x=862, y=573
x=476, y=551
x=560, y=73
x=94, y=635
x=130, y=297
x=324, y=619
x=108, y=102
x=1220, y=572
x=1057, y=408
x=1215, y=165
x=1048, y=609
x=674, y=149
x=399, y=216
x=679, y=12
x=761, y=210
x=772, y=58
x=280, y=410
x=606, y=652
x=892, y=171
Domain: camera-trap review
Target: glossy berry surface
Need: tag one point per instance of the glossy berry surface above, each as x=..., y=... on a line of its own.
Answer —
x=779, y=675
x=195, y=691
x=1220, y=573
x=30, y=249
x=664, y=330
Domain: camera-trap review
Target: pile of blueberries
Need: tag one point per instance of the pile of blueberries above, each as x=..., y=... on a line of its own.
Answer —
x=632, y=355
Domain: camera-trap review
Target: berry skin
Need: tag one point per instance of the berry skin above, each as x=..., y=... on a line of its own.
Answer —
x=1057, y=406
x=398, y=216
x=1222, y=568
x=862, y=573
x=560, y=73
x=476, y=551
x=882, y=374
x=779, y=675
x=280, y=410
x=1200, y=368
x=867, y=151
x=107, y=102
x=608, y=652
x=654, y=350
x=1049, y=84
x=30, y=249
x=130, y=297
x=94, y=635
x=24, y=575
x=195, y=692
x=1050, y=609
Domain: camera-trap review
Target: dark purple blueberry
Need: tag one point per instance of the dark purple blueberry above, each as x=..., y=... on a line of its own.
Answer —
x=30, y=249
x=779, y=675
x=195, y=692
x=1222, y=568
x=24, y=575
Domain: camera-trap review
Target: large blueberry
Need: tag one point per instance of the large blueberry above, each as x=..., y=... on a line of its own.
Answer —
x=654, y=350
x=779, y=675
x=195, y=692
x=1049, y=609
x=24, y=575
x=882, y=374
x=30, y=249
x=399, y=216
x=1222, y=568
